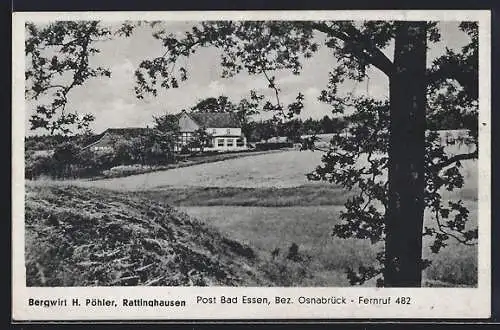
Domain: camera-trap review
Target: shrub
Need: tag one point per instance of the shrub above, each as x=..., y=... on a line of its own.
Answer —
x=37, y=165
x=273, y=145
x=185, y=150
x=124, y=153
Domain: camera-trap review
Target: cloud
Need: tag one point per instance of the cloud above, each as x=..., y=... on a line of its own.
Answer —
x=215, y=88
x=122, y=73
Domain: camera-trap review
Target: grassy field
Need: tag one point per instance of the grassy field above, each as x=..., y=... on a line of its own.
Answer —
x=275, y=217
x=272, y=170
x=123, y=171
x=269, y=228
x=265, y=201
x=310, y=227
x=307, y=195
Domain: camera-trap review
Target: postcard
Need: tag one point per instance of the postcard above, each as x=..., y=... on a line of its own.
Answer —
x=251, y=165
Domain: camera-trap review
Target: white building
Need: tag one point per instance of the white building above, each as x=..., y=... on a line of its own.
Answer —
x=223, y=128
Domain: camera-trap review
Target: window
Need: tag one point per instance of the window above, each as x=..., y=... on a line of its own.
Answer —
x=185, y=137
x=239, y=142
x=230, y=142
x=220, y=142
x=102, y=148
x=214, y=131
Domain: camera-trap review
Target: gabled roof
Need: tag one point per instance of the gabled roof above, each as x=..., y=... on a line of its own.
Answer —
x=215, y=119
x=127, y=133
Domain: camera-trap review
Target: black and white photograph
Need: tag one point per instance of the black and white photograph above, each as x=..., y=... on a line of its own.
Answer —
x=302, y=153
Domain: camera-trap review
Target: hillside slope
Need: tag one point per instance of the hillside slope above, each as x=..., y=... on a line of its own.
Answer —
x=82, y=237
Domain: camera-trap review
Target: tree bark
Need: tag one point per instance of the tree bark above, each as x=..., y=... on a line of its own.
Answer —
x=404, y=217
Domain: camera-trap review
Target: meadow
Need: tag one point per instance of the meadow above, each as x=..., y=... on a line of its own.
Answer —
x=266, y=202
x=310, y=227
x=273, y=170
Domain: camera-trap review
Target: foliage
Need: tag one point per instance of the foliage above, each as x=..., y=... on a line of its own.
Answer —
x=294, y=129
x=212, y=104
x=58, y=60
x=201, y=139
x=262, y=130
x=453, y=87
x=255, y=46
x=263, y=47
x=165, y=134
x=368, y=138
x=70, y=159
x=49, y=142
x=37, y=165
x=59, y=56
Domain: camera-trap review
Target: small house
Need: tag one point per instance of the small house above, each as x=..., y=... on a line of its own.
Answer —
x=223, y=128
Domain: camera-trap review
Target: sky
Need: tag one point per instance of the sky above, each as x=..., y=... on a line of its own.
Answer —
x=113, y=102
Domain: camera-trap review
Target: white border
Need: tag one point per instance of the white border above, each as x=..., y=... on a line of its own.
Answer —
x=428, y=302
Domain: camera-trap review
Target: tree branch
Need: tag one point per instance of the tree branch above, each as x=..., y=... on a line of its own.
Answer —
x=454, y=159
x=373, y=55
x=441, y=229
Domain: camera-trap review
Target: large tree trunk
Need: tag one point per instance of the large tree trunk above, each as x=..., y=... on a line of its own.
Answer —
x=404, y=218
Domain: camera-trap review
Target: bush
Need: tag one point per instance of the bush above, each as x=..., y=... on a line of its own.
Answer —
x=158, y=157
x=70, y=162
x=273, y=145
x=185, y=150
x=124, y=153
x=35, y=166
x=93, y=164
